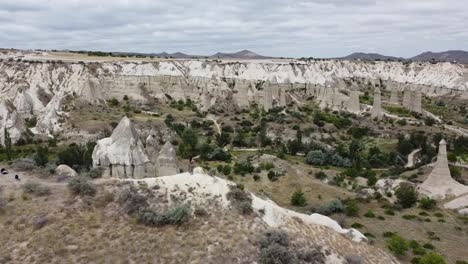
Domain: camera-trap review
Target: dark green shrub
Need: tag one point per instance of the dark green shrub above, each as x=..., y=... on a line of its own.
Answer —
x=298, y=198
x=266, y=166
x=428, y=246
x=352, y=208
x=335, y=206
x=357, y=225
x=36, y=189
x=131, y=201
x=316, y=157
x=175, y=216
x=369, y=214
x=427, y=203
x=188, y=146
x=320, y=175
x=41, y=157
x=388, y=234
x=406, y=195
x=243, y=167
x=397, y=245
x=76, y=156
x=274, y=248
x=272, y=175
x=81, y=186
x=114, y=102
x=240, y=199
x=95, y=173
x=432, y=258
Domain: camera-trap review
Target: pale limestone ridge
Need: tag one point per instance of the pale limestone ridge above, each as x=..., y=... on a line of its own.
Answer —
x=209, y=84
x=439, y=184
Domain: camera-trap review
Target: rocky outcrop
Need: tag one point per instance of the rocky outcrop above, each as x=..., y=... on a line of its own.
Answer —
x=412, y=100
x=167, y=160
x=122, y=155
x=394, y=98
x=65, y=171
x=439, y=184
x=353, y=104
x=152, y=150
x=377, y=105
x=32, y=85
x=10, y=120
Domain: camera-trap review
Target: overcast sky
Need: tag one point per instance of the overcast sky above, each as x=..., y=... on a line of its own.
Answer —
x=318, y=28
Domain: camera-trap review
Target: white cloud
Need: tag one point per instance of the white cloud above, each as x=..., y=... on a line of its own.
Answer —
x=317, y=28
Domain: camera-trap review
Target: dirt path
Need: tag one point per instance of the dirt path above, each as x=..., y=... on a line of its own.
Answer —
x=218, y=127
x=410, y=163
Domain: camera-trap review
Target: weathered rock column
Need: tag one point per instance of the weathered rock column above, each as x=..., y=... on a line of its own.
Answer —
x=167, y=160
x=394, y=99
x=267, y=96
x=377, y=106
x=353, y=104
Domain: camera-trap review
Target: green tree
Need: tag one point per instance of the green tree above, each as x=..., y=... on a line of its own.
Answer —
x=355, y=149
x=427, y=203
x=298, y=198
x=239, y=139
x=188, y=146
x=352, y=208
x=404, y=146
x=8, y=145
x=223, y=139
x=263, y=137
x=397, y=245
x=316, y=157
x=406, y=195
x=76, y=156
x=41, y=156
x=432, y=258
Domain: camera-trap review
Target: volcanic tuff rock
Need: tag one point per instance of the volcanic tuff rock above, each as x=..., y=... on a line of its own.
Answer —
x=439, y=184
x=377, y=106
x=122, y=154
x=38, y=88
x=65, y=171
x=167, y=160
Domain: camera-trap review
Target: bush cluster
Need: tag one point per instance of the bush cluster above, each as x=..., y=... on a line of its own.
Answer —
x=81, y=186
x=36, y=189
x=275, y=247
x=298, y=198
x=240, y=199
x=175, y=216
x=243, y=167
x=333, y=207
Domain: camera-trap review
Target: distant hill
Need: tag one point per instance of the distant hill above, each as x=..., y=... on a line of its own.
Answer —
x=370, y=56
x=450, y=56
x=446, y=56
x=244, y=54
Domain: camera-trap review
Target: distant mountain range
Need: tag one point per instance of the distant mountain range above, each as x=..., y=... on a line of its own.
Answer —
x=451, y=55
x=369, y=56
x=244, y=54
x=446, y=56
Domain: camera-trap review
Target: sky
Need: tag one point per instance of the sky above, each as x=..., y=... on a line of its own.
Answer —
x=289, y=28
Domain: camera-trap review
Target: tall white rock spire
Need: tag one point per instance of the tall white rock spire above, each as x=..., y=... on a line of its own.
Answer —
x=377, y=106
x=439, y=184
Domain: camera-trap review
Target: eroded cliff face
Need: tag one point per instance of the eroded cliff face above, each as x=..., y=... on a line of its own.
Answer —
x=35, y=87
